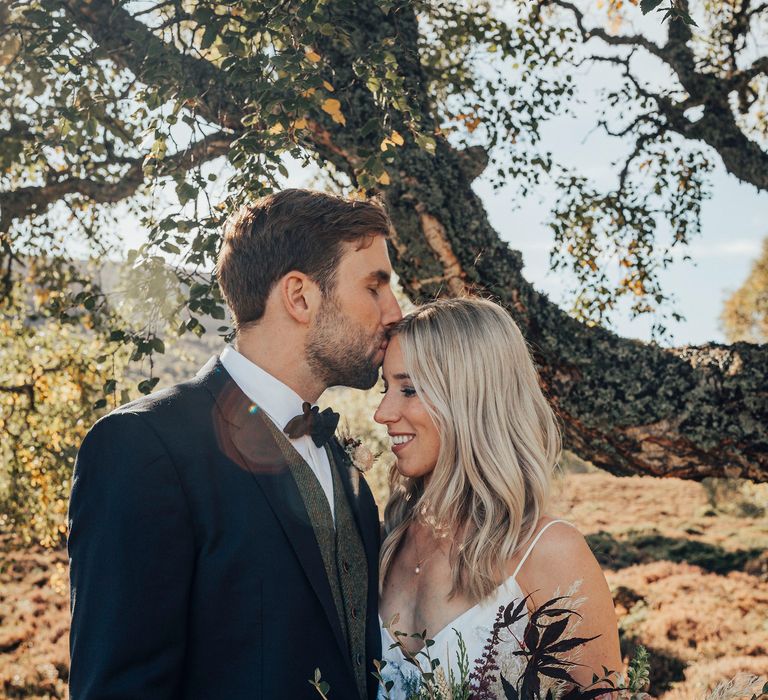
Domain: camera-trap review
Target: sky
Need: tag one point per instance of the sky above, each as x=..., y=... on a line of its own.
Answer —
x=734, y=221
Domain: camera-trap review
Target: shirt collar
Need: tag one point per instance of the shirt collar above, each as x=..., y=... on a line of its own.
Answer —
x=279, y=401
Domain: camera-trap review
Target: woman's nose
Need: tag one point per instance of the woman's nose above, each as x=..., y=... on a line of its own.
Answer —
x=384, y=413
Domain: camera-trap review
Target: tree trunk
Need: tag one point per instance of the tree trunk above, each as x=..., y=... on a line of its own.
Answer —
x=627, y=406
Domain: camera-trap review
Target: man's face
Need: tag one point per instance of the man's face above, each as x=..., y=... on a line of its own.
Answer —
x=348, y=338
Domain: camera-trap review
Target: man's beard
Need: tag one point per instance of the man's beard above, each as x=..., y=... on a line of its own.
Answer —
x=338, y=349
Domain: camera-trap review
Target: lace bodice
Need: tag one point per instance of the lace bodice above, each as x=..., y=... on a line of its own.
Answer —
x=475, y=626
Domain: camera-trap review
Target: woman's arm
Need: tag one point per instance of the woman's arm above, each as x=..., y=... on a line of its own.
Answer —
x=560, y=558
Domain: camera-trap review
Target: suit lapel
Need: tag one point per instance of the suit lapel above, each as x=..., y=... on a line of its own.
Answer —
x=246, y=439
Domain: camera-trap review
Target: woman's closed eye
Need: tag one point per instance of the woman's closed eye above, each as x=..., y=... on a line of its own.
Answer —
x=407, y=391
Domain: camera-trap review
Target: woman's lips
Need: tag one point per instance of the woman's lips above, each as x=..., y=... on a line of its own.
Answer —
x=400, y=446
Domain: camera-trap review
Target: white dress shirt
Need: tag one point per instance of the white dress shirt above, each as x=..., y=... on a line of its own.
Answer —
x=281, y=403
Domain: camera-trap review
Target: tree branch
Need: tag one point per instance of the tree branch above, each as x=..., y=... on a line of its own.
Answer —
x=133, y=45
x=26, y=201
x=600, y=33
x=27, y=390
x=741, y=156
x=741, y=78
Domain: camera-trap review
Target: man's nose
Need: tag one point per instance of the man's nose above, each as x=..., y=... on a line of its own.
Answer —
x=392, y=313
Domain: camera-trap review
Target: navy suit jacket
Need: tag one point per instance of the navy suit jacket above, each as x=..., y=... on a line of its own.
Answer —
x=195, y=572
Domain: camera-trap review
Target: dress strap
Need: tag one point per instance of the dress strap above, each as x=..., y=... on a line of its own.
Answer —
x=533, y=544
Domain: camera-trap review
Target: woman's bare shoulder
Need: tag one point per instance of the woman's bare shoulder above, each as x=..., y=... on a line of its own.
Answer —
x=561, y=563
x=559, y=558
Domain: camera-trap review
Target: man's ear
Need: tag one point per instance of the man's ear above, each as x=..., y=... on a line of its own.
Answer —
x=300, y=296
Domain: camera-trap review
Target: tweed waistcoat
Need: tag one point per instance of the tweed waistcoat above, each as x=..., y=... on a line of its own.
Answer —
x=341, y=549
x=352, y=572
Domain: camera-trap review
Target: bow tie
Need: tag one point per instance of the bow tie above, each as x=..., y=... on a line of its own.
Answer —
x=319, y=426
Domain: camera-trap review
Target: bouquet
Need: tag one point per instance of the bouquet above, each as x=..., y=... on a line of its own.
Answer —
x=537, y=667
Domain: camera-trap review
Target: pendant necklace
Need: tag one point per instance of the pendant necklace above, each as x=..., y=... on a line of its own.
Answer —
x=419, y=561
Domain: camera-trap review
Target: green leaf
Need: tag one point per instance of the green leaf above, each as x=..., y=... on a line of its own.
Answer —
x=197, y=290
x=427, y=143
x=171, y=248
x=217, y=312
x=209, y=36
x=649, y=5
x=373, y=84
x=146, y=386
x=370, y=127
x=38, y=17
x=185, y=192
x=158, y=345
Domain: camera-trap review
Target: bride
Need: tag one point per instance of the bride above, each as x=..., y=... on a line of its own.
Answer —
x=467, y=523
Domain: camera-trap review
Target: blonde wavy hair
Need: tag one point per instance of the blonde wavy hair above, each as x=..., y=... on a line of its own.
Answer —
x=499, y=440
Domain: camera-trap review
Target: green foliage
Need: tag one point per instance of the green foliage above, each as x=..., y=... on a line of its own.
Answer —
x=51, y=377
x=745, y=313
x=638, y=671
x=85, y=126
x=61, y=372
x=675, y=9
x=592, y=227
x=544, y=656
x=320, y=685
x=91, y=124
x=658, y=670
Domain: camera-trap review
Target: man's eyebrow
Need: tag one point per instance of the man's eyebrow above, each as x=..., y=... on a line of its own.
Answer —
x=380, y=276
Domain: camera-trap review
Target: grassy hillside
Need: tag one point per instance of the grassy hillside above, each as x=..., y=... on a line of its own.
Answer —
x=690, y=580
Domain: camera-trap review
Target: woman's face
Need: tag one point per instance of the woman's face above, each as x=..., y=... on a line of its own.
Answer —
x=415, y=439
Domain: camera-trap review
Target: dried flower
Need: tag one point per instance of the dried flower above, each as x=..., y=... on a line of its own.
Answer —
x=441, y=684
x=740, y=686
x=361, y=457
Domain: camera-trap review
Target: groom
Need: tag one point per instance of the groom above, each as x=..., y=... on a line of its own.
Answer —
x=212, y=554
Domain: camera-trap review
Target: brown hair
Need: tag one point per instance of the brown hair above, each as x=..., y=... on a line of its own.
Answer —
x=291, y=230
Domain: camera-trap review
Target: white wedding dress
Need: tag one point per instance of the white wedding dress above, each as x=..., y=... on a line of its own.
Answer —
x=475, y=626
